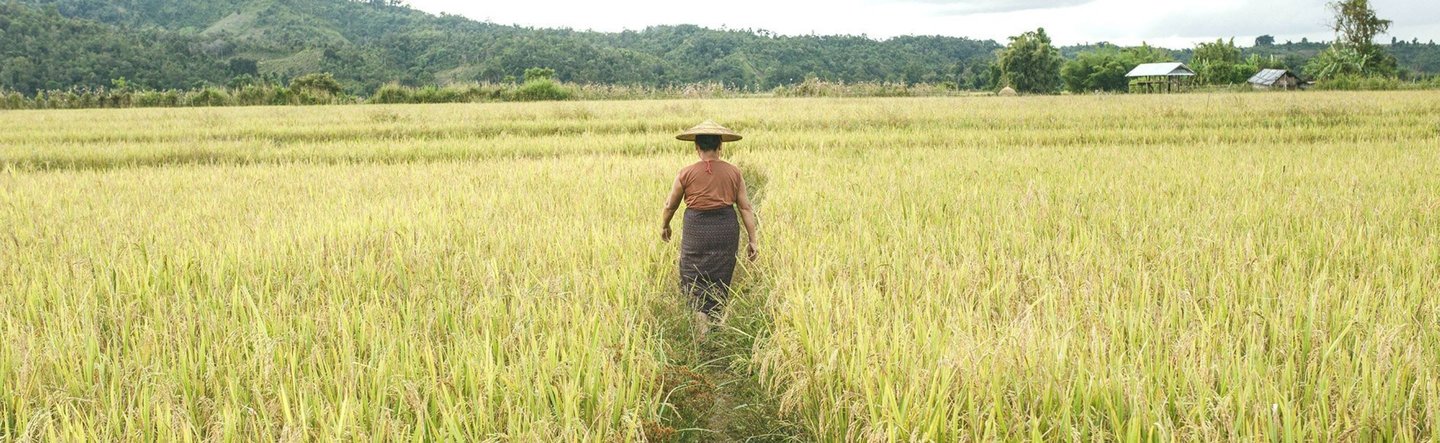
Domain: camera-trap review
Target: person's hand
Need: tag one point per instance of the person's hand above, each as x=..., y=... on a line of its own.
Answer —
x=665, y=234
x=752, y=252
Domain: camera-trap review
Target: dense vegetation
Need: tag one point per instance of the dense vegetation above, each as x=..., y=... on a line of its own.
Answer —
x=1104, y=68
x=1030, y=64
x=367, y=45
x=1352, y=61
x=42, y=50
x=189, y=44
x=1354, y=53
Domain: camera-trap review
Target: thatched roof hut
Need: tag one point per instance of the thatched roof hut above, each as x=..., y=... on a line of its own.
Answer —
x=1276, y=79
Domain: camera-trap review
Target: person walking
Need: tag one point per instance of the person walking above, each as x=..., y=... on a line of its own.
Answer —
x=712, y=189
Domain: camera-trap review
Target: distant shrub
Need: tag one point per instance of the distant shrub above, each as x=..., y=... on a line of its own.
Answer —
x=284, y=96
x=390, y=93
x=85, y=99
x=481, y=92
x=534, y=74
x=434, y=94
x=145, y=99
x=460, y=93
x=311, y=98
x=208, y=97
x=540, y=90
x=1347, y=82
x=317, y=84
x=637, y=92
x=260, y=95
x=13, y=100
x=814, y=87
x=64, y=100
x=113, y=98
x=316, y=89
x=156, y=99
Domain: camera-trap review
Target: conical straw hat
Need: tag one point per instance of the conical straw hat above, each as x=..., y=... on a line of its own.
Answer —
x=709, y=127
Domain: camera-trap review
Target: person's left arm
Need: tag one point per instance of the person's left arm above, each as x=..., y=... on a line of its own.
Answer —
x=747, y=215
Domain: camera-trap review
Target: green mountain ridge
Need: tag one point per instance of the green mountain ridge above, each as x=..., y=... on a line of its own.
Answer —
x=57, y=44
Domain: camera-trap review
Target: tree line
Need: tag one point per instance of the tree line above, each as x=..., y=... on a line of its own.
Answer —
x=190, y=43
x=1031, y=64
x=54, y=47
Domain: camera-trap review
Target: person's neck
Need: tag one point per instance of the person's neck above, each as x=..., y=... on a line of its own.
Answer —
x=706, y=156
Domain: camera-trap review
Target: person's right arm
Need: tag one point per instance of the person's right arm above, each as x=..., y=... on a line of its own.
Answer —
x=672, y=203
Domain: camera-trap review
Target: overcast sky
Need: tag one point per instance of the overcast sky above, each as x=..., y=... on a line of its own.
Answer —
x=1172, y=23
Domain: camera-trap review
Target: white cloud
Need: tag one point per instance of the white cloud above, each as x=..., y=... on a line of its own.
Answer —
x=960, y=7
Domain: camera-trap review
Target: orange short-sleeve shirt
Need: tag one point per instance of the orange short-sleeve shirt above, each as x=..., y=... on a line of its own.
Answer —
x=711, y=185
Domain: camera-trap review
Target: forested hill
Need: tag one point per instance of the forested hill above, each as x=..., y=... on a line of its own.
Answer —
x=52, y=44
x=57, y=44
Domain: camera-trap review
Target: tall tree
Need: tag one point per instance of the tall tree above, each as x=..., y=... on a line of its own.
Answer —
x=1219, y=63
x=1354, y=51
x=1031, y=64
x=1356, y=24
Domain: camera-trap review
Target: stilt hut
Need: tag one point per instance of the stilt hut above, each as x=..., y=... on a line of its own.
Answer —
x=1160, y=77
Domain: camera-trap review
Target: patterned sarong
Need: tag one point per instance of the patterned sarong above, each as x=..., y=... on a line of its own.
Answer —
x=707, y=256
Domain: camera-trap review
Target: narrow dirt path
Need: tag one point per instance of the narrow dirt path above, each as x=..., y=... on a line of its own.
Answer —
x=719, y=396
x=713, y=385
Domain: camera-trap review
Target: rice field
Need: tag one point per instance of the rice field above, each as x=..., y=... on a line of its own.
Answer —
x=1203, y=267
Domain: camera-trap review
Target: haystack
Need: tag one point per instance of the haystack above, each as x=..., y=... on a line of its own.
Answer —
x=1007, y=92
